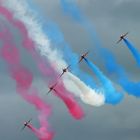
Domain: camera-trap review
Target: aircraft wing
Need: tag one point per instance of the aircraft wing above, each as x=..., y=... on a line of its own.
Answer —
x=86, y=53
x=126, y=34
x=68, y=66
x=29, y=121
x=118, y=41
x=55, y=84
x=52, y=87
x=80, y=60
x=23, y=128
x=48, y=92
x=61, y=74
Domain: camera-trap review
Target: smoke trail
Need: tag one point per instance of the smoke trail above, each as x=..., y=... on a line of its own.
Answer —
x=44, y=111
x=70, y=7
x=131, y=87
x=70, y=57
x=70, y=103
x=29, y=45
x=23, y=79
x=111, y=95
x=57, y=38
x=133, y=50
x=24, y=14
x=41, y=134
x=89, y=97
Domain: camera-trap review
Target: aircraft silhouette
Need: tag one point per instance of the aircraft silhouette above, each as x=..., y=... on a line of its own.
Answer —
x=122, y=37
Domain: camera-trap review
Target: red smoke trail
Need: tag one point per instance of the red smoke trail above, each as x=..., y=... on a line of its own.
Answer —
x=64, y=95
x=41, y=133
x=74, y=109
x=24, y=79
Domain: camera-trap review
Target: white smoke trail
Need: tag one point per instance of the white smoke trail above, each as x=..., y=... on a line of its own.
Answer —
x=22, y=12
x=87, y=95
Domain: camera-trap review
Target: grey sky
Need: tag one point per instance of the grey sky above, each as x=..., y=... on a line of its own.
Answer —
x=111, y=18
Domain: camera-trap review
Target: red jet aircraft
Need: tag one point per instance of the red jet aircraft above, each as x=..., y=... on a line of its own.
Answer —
x=26, y=124
x=122, y=37
x=65, y=70
x=83, y=56
x=51, y=88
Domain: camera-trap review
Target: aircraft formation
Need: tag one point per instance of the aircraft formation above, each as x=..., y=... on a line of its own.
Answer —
x=65, y=70
x=52, y=88
x=82, y=57
x=27, y=24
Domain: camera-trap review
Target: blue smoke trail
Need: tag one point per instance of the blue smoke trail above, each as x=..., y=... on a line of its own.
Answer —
x=56, y=37
x=121, y=77
x=133, y=50
x=130, y=87
x=112, y=96
x=70, y=7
